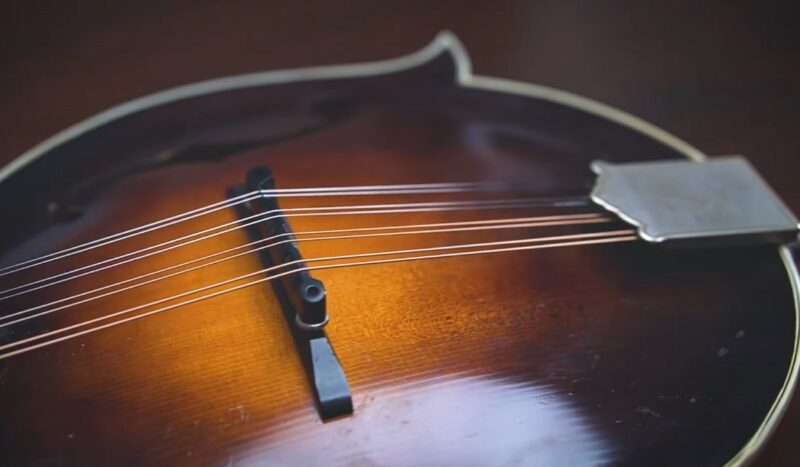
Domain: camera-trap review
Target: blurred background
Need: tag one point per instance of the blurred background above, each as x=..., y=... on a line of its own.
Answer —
x=725, y=76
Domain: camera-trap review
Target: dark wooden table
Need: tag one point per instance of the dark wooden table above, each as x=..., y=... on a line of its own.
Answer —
x=725, y=77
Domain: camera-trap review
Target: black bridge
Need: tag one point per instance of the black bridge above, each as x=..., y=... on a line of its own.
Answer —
x=301, y=297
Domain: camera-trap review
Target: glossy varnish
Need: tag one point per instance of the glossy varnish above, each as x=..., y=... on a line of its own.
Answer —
x=623, y=353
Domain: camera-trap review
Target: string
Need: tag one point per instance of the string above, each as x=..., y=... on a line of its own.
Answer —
x=476, y=225
x=6, y=270
x=541, y=221
x=610, y=237
x=263, y=217
x=214, y=207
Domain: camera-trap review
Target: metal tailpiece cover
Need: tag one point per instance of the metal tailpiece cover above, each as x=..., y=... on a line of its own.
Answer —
x=720, y=201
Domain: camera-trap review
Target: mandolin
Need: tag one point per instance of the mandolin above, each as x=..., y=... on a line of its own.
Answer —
x=388, y=263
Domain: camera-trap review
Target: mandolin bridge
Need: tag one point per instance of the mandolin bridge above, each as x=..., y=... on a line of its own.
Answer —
x=302, y=298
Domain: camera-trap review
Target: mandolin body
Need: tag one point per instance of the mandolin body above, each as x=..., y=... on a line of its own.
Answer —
x=622, y=353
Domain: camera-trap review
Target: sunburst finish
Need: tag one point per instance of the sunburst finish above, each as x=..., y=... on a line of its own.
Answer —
x=622, y=353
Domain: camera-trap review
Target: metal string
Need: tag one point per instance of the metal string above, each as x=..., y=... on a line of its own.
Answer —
x=208, y=209
x=465, y=226
x=263, y=217
x=6, y=270
x=609, y=237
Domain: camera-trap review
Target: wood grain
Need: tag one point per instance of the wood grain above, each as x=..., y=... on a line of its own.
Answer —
x=726, y=88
